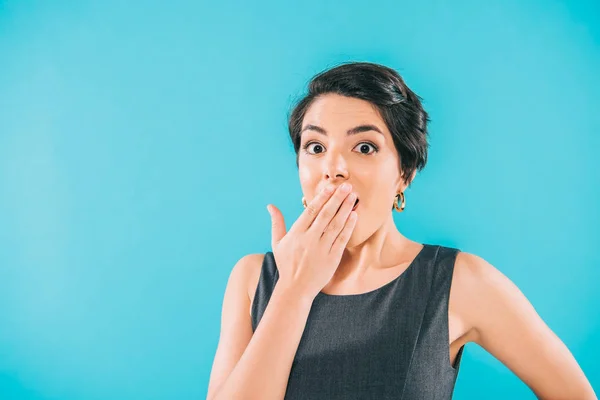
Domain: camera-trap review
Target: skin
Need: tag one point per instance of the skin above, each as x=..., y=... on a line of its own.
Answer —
x=485, y=307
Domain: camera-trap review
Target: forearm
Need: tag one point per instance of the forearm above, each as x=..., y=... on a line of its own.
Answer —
x=263, y=369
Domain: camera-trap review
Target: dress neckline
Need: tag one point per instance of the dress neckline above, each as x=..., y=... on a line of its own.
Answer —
x=390, y=283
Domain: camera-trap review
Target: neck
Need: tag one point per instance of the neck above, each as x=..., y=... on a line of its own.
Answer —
x=385, y=248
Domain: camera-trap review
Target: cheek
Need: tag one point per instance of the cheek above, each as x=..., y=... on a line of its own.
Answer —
x=305, y=179
x=307, y=174
x=309, y=181
x=375, y=208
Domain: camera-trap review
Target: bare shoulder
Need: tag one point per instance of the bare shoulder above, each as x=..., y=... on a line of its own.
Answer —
x=236, y=328
x=245, y=267
x=469, y=272
x=246, y=273
x=474, y=282
x=247, y=270
x=480, y=296
x=488, y=299
x=506, y=324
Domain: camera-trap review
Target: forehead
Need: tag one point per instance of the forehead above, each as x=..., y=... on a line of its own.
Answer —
x=333, y=110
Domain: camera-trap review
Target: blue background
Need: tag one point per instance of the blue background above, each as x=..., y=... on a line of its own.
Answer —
x=141, y=142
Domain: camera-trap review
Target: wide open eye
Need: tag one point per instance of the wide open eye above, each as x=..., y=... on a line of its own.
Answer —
x=362, y=145
x=318, y=146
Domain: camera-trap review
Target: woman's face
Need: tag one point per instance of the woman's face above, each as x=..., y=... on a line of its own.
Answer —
x=365, y=158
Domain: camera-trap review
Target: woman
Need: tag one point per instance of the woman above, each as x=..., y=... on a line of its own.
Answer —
x=345, y=306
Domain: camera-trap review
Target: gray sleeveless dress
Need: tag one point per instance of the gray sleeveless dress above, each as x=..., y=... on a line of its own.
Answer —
x=389, y=343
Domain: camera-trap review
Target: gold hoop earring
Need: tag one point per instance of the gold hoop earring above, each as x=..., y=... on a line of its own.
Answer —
x=303, y=202
x=399, y=209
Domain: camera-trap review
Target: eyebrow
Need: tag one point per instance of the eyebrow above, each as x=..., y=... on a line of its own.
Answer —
x=353, y=131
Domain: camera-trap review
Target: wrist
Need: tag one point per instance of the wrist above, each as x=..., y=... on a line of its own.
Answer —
x=293, y=296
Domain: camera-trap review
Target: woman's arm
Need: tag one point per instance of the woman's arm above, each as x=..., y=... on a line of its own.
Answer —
x=509, y=328
x=258, y=366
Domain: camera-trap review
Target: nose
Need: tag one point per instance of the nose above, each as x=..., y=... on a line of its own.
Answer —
x=335, y=169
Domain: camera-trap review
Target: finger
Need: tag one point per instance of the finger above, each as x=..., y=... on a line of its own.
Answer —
x=277, y=225
x=337, y=223
x=337, y=249
x=312, y=209
x=329, y=211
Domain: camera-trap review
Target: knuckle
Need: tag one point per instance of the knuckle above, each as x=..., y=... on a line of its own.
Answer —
x=327, y=213
x=334, y=226
x=311, y=209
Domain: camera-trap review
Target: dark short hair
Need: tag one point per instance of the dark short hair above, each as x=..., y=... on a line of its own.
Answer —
x=399, y=107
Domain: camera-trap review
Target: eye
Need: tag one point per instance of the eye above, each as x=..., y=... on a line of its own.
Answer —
x=307, y=145
x=362, y=146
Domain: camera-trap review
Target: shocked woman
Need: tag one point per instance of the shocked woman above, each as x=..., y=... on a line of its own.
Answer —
x=345, y=306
